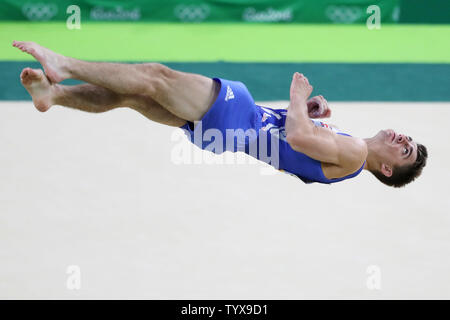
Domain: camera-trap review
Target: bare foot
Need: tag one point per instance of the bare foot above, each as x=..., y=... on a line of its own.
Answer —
x=38, y=87
x=54, y=64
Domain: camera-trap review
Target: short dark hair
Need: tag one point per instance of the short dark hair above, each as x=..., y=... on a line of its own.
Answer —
x=403, y=175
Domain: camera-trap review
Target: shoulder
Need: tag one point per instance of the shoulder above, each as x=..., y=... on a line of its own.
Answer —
x=351, y=157
x=353, y=152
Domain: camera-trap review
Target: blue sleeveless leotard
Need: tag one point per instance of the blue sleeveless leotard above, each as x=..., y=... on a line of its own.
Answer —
x=261, y=133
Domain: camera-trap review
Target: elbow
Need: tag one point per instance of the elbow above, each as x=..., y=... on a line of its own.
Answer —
x=297, y=141
x=300, y=138
x=291, y=139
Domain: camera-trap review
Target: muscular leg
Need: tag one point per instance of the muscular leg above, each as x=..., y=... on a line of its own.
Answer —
x=91, y=98
x=186, y=95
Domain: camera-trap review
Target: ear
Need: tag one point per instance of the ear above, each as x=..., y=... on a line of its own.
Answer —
x=386, y=170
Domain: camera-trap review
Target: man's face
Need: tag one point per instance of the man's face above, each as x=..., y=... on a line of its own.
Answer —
x=396, y=149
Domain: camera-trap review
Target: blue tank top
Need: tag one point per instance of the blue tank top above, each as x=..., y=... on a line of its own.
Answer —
x=290, y=161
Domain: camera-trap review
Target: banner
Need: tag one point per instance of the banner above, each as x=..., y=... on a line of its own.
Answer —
x=425, y=11
x=195, y=11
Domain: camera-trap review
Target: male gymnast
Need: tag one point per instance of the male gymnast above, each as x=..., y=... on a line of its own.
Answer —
x=306, y=147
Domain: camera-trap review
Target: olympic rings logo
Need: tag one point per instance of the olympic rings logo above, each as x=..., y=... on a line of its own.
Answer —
x=344, y=14
x=39, y=11
x=192, y=13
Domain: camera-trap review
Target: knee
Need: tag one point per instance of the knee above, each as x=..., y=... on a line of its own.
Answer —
x=157, y=70
x=157, y=76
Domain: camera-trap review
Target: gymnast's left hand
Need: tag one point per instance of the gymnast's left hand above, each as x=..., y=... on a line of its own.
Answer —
x=318, y=108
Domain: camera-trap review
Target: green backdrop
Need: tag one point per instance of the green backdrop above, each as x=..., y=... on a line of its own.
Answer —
x=343, y=62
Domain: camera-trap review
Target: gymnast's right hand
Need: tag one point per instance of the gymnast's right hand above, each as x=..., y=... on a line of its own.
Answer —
x=318, y=107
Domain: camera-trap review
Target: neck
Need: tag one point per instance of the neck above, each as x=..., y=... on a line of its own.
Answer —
x=371, y=161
